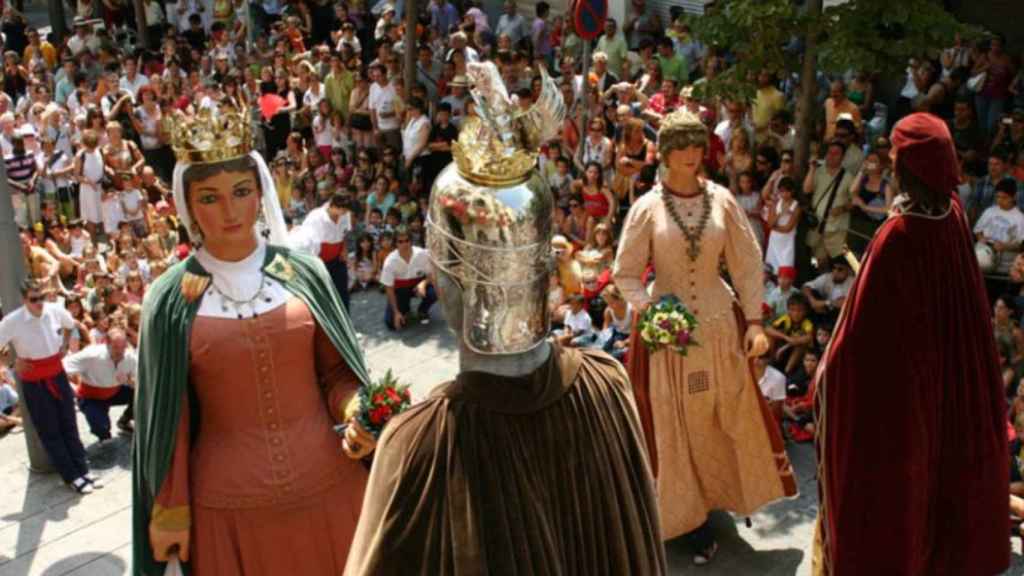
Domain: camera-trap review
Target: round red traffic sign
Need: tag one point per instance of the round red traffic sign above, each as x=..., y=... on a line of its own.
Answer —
x=589, y=17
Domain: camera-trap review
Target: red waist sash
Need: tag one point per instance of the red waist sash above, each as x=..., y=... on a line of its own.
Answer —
x=331, y=251
x=407, y=283
x=96, y=392
x=42, y=371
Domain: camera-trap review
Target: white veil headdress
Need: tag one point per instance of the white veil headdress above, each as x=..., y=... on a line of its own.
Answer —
x=273, y=217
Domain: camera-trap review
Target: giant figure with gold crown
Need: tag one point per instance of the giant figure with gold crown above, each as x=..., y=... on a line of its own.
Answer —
x=247, y=359
x=532, y=459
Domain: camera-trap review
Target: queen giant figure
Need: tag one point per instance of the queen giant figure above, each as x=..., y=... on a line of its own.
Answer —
x=246, y=361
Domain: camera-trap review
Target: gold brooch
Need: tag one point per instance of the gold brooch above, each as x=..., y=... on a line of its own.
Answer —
x=281, y=269
x=193, y=286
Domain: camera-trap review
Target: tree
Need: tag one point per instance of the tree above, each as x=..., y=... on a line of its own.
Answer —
x=779, y=35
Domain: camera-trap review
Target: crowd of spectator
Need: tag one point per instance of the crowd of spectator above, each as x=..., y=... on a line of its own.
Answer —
x=84, y=133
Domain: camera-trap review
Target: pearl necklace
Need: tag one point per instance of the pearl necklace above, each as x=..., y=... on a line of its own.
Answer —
x=695, y=233
x=239, y=305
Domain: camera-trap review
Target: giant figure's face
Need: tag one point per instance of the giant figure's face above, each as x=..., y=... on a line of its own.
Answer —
x=225, y=206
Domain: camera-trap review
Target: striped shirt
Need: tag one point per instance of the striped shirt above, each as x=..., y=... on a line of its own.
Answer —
x=20, y=168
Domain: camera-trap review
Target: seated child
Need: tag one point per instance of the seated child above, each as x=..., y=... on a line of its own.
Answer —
x=578, y=329
x=9, y=413
x=791, y=334
x=777, y=297
x=364, y=263
x=798, y=408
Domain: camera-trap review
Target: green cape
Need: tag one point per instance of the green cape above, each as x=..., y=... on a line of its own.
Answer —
x=163, y=371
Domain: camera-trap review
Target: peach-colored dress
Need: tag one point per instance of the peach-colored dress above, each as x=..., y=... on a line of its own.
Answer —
x=713, y=449
x=269, y=488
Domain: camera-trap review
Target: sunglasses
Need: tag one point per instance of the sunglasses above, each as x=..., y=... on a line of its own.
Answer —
x=35, y=299
x=403, y=241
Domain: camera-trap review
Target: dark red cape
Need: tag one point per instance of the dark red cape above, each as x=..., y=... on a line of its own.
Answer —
x=911, y=413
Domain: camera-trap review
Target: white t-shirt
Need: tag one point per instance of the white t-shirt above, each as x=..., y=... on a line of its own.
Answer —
x=383, y=101
x=323, y=131
x=827, y=287
x=578, y=322
x=94, y=365
x=34, y=337
x=412, y=137
x=1001, y=225
x=133, y=85
x=131, y=205
x=396, y=268
x=773, y=384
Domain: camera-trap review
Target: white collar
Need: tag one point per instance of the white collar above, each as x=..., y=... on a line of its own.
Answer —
x=239, y=280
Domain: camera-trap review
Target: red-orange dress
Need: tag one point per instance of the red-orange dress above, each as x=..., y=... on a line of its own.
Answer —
x=269, y=489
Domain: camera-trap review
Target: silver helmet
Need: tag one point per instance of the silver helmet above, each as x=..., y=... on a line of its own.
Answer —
x=489, y=224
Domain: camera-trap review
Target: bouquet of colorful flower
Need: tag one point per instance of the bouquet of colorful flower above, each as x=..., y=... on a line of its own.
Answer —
x=380, y=402
x=668, y=323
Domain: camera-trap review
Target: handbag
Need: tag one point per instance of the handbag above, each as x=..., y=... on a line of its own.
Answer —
x=816, y=224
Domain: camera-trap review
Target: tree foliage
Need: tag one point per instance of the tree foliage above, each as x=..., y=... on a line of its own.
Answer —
x=879, y=36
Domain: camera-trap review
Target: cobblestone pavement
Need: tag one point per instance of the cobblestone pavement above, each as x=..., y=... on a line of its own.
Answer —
x=46, y=530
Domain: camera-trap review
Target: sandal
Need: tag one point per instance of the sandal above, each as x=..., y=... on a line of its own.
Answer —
x=81, y=485
x=706, y=556
x=93, y=481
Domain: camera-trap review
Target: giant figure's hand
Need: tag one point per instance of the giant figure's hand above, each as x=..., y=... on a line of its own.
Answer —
x=755, y=340
x=358, y=443
x=167, y=543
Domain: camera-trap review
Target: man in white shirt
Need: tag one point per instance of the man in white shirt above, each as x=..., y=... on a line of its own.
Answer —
x=828, y=292
x=1001, y=226
x=383, y=103
x=511, y=23
x=326, y=228
x=36, y=331
x=132, y=80
x=105, y=374
x=404, y=276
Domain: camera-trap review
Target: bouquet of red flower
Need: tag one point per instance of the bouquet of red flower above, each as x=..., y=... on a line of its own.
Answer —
x=380, y=402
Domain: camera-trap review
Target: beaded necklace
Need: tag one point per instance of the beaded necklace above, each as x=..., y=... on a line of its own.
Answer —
x=695, y=233
x=240, y=305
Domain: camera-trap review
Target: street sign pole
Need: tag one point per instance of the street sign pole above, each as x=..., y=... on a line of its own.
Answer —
x=588, y=17
x=13, y=266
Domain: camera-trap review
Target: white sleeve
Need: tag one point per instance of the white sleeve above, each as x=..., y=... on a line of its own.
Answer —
x=78, y=362
x=387, y=273
x=67, y=321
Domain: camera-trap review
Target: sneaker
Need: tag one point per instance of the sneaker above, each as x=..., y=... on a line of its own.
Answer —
x=81, y=485
x=704, y=558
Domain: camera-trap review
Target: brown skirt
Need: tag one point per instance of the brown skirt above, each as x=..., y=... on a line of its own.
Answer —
x=311, y=538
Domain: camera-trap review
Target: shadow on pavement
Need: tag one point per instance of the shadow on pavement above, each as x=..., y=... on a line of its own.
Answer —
x=735, y=555
x=98, y=563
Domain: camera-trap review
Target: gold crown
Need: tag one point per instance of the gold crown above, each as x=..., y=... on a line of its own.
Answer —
x=211, y=136
x=481, y=158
